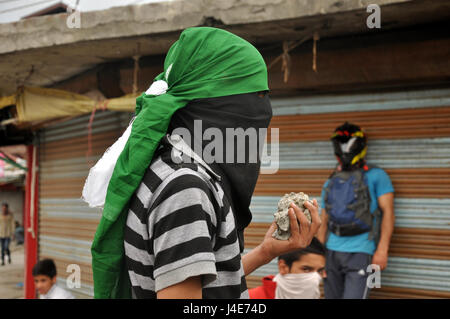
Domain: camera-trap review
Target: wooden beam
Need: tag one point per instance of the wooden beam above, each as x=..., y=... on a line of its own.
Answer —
x=108, y=79
x=409, y=57
x=401, y=58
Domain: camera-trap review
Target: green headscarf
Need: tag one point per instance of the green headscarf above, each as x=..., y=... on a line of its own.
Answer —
x=204, y=63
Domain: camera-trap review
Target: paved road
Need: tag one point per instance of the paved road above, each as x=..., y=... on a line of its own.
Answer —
x=12, y=274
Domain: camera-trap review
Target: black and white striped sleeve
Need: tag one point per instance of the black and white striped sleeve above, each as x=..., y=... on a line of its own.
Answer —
x=182, y=224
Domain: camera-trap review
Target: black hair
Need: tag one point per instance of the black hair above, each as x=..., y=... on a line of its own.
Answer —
x=5, y=204
x=315, y=247
x=45, y=267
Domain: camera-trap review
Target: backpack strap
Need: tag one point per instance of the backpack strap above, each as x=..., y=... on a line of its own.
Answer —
x=374, y=233
x=327, y=190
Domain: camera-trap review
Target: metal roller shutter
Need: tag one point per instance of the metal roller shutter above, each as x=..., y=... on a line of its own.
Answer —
x=66, y=224
x=409, y=137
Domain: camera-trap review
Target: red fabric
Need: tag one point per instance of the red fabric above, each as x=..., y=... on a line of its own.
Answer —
x=266, y=291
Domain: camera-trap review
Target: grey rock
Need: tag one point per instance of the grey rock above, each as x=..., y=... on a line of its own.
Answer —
x=281, y=216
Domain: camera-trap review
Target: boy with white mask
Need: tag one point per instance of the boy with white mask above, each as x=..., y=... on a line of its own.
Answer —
x=299, y=275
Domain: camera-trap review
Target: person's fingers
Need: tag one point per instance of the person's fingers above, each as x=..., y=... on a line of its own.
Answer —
x=304, y=223
x=315, y=218
x=293, y=222
x=295, y=208
x=272, y=229
x=312, y=206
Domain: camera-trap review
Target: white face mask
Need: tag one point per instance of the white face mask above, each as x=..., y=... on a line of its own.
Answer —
x=298, y=286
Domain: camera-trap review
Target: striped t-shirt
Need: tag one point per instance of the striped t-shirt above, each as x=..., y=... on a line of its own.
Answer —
x=180, y=224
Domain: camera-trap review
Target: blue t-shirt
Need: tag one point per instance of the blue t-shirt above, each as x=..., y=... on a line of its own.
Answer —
x=379, y=184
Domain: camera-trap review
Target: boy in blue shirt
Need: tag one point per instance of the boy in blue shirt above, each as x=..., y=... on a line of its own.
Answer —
x=357, y=217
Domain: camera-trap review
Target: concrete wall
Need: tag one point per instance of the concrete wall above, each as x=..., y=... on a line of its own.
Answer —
x=43, y=51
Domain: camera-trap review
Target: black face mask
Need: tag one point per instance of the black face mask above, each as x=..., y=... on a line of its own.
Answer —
x=246, y=111
x=347, y=146
x=346, y=160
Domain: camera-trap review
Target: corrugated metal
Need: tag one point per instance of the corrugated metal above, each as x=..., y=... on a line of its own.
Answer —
x=387, y=124
x=424, y=243
x=409, y=137
x=361, y=102
x=388, y=153
x=77, y=146
x=429, y=213
x=411, y=183
x=78, y=127
x=66, y=224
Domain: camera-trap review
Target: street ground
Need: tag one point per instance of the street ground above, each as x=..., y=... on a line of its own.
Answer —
x=11, y=275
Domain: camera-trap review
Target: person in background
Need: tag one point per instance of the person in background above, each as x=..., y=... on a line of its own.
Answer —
x=299, y=275
x=44, y=273
x=358, y=216
x=19, y=234
x=7, y=227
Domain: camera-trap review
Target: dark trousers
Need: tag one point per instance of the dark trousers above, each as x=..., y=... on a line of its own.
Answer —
x=5, y=247
x=346, y=275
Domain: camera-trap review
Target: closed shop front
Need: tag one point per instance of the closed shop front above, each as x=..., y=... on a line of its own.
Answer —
x=66, y=224
x=408, y=136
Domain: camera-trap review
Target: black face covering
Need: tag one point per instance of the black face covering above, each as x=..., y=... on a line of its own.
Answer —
x=245, y=111
x=348, y=142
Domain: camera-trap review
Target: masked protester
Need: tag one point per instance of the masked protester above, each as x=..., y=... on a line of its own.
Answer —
x=358, y=214
x=299, y=275
x=178, y=199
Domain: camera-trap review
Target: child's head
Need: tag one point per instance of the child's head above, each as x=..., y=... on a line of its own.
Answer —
x=309, y=259
x=44, y=273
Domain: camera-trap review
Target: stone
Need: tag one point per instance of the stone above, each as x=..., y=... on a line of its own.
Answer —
x=281, y=216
